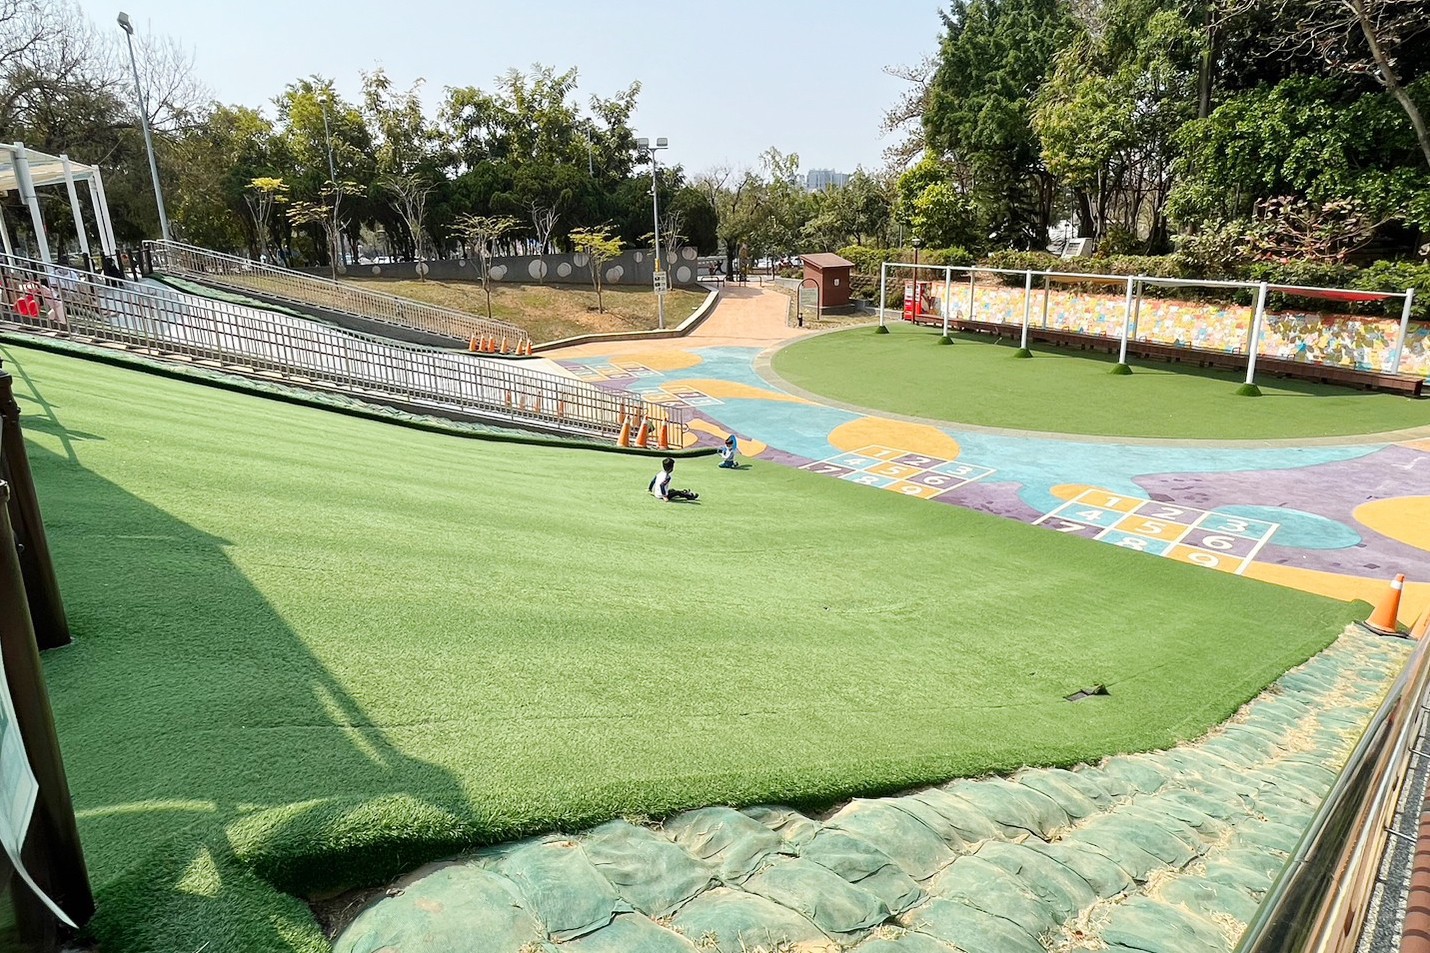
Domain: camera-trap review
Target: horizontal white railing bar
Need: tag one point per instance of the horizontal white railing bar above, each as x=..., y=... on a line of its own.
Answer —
x=246, y=275
x=1147, y=280
x=304, y=352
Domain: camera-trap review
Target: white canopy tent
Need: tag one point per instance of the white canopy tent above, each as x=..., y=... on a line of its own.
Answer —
x=27, y=170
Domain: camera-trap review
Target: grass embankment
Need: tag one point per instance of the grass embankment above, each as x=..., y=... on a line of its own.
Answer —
x=976, y=381
x=314, y=651
x=547, y=312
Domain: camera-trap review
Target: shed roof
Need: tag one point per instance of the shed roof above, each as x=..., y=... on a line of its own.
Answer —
x=45, y=169
x=824, y=260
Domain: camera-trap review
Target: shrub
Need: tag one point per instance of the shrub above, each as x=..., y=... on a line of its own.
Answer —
x=1120, y=241
x=1024, y=261
x=1397, y=276
x=956, y=255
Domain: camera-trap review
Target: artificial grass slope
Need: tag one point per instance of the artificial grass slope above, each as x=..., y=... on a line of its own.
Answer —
x=977, y=382
x=314, y=651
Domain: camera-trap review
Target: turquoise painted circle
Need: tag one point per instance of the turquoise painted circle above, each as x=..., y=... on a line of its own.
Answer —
x=1299, y=529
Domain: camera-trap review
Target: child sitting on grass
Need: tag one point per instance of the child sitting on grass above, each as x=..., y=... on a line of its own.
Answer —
x=728, y=452
x=660, y=485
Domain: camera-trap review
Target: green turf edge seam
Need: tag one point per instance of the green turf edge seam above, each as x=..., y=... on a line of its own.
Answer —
x=288, y=395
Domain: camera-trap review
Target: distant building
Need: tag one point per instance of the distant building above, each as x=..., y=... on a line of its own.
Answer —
x=817, y=180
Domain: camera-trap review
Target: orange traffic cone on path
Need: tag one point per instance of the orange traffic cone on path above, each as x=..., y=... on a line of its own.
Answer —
x=472, y=345
x=528, y=347
x=624, y=440
x=1383, y=620
x=664, y=442
x=643, y=433
x=1422, y=625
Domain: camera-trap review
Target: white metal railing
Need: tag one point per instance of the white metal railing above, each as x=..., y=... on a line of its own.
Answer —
x=309, y=353
x=242, y=274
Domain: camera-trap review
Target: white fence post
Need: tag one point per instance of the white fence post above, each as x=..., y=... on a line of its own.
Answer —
x=1399, y=351
x=1249, y=389
x=1027, y=315
x=883, y=289
x=947, y=303
x=1122, y=366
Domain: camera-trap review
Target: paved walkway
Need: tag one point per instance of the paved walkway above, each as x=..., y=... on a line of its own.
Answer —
x=1336, y=517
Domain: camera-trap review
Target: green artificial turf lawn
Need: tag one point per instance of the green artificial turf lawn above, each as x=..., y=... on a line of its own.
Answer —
x=977, y=381
x=312, y=651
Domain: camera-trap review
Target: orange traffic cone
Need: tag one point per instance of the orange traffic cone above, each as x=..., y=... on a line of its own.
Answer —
x=472, y=345
x=1422, y=625
x=528, y=347
x=624, y=440
x=643, y=434
x=664, y=442
x=1383, y=620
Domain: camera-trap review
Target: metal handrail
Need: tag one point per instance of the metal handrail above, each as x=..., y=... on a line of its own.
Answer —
x=242, y=274
x=1318, y=904
x=309, y=353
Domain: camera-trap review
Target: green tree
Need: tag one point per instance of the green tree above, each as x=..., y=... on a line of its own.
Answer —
x=263, y=195
x=599, y=246
x=481, y=233
x=992, y=59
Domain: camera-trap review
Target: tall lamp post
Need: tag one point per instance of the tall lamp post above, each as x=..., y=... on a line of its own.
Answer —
x=333, y=179
x=662, y=282
x=128, y=28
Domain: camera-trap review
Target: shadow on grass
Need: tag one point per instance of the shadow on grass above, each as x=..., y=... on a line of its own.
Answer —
x=219, y=770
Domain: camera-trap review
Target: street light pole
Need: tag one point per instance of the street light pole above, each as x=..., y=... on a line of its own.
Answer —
x=660, y=284
x=128, y=28
x=333, y=179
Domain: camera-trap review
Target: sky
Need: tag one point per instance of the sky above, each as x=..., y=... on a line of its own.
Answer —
x=723, y=81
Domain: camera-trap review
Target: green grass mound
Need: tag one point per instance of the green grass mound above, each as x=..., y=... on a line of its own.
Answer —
x=314, y=651
x=1070, y=391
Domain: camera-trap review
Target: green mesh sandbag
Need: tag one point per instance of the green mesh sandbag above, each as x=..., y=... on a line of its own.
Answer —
x=1207, y=897
x=631, y=933
x=929, y=817
x=830, y=902
x=1144, y=924
x=1138, y=863
x=1207, y=828
x=565, y=891
x=1172, y=845
x=731, y=921
x=857, y=861
x=1245, y=868
x=1064, y=787
x=792, y=826
x=971, y=824
x=990, y=888
x=1115, y=786
x=1239, y=751
x=1267, y=835
x=1286, y=810
x=902, y=941
x=1142, y=774
x=735, y=845
x=442, y=912
x=971, y=930
x=1105, y=876
x=1017, y=809
x=1060, y=888
x=1196, y=762
x=648, y=871
x=908, y=843
x=1147, y=813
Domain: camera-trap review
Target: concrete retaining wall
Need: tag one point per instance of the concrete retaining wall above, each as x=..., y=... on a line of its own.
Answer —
x=632, y=268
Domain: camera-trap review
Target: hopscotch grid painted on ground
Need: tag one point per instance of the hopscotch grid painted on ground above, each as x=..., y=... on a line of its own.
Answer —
x=1201, y=537
x=630, y=373
x=901, y=471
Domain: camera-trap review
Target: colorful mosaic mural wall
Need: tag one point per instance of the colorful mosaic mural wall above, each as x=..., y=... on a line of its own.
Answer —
x=1343, y=340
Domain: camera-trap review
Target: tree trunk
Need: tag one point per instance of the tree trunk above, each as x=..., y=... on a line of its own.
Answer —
x=1205, y=74
x=1085, y=224
x=1390, y=80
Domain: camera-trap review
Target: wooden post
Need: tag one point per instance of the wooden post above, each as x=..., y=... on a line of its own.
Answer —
x=51, y=852
x=41, y=587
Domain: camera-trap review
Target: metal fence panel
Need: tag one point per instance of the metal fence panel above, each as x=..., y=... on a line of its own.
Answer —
x=171, y=323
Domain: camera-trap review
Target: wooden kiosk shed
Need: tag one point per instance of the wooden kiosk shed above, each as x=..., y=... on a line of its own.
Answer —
x=831, y=273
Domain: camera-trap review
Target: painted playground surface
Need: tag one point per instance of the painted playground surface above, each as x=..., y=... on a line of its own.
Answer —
x=1336, y=517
